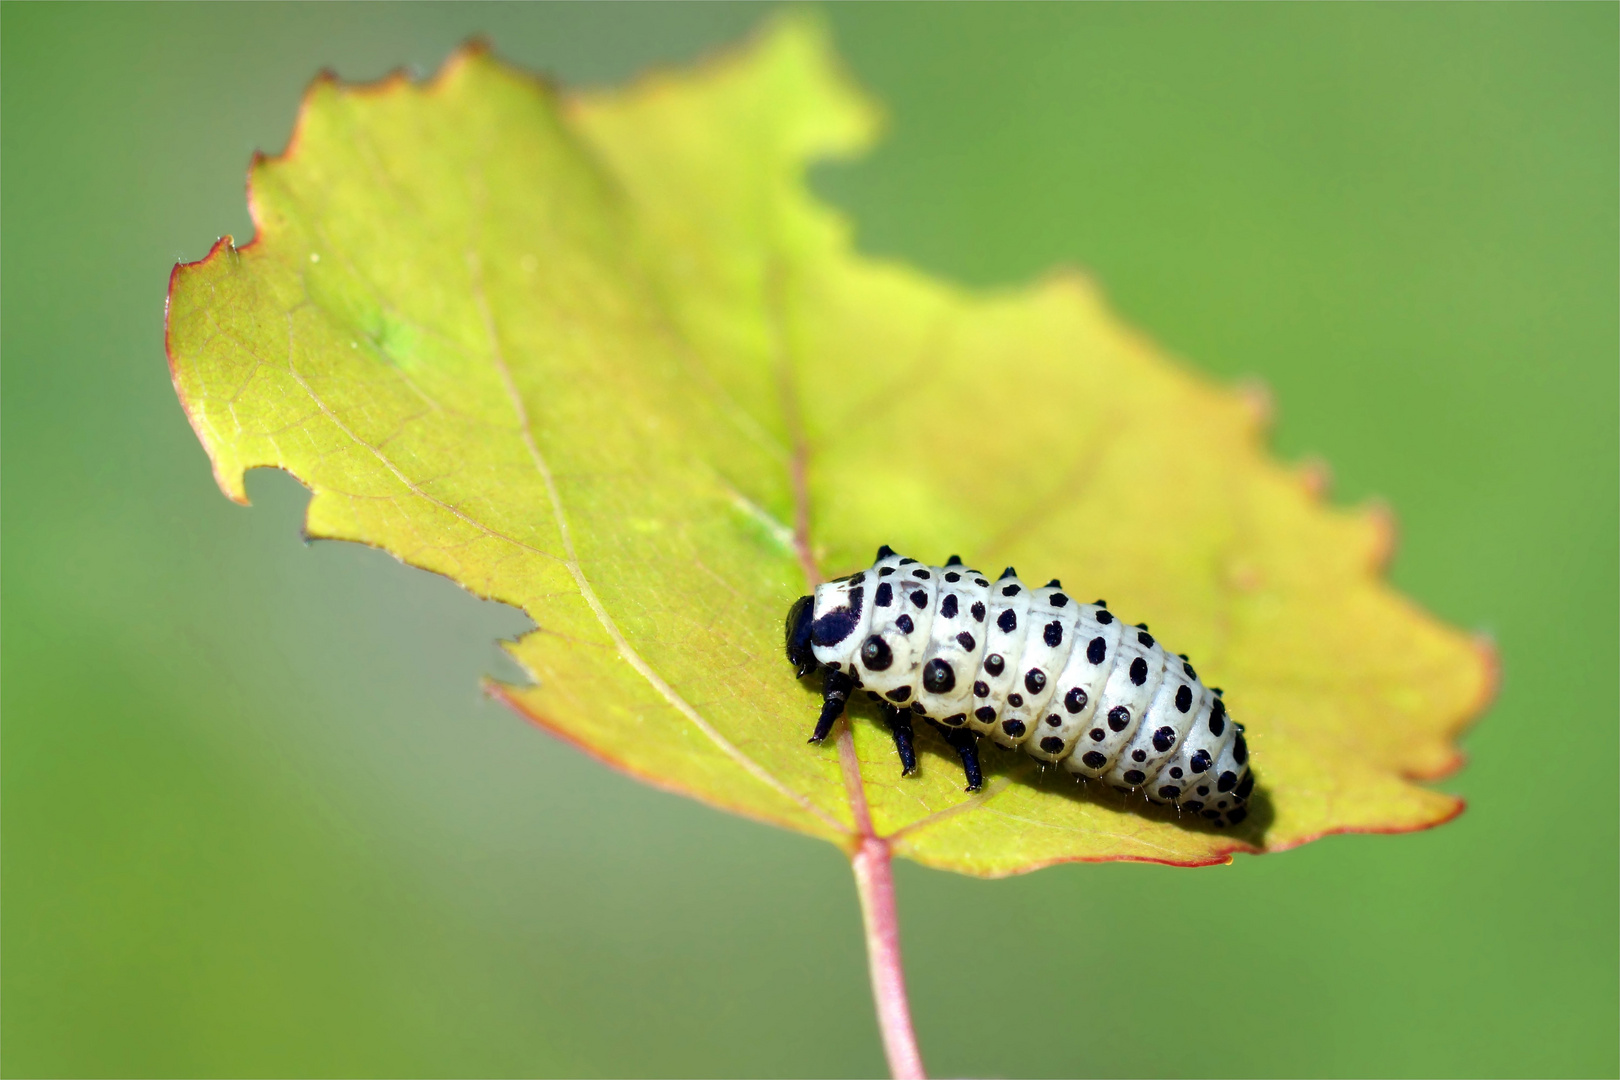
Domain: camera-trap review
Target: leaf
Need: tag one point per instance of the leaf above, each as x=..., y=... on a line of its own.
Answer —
x=601, y=356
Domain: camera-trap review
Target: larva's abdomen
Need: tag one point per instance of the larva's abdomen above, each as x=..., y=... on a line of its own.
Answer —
x=1029, y=668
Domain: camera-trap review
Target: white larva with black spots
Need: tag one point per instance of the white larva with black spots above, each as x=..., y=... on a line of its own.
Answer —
x=1030, y=668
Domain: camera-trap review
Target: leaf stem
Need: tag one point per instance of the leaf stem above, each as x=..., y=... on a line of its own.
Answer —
x=874, y=881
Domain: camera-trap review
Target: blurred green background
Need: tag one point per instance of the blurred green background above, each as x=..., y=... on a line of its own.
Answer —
x=258, y=820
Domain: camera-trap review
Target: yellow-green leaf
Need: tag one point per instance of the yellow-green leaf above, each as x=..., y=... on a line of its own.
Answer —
x=604, y=358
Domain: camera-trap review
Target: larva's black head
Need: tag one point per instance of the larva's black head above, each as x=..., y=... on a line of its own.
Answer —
x=798, y=636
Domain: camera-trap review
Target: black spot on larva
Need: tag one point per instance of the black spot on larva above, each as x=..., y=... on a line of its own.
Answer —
x=838, y=623
x=875, y=654
x=947, y=609
x=981, y=689
x=873, y=695
x=1200, y=762
x=1169, y=791
x=994, y=664
x=1097, y=734
x=1011, y=590
x=965, y=640
x=1164, y=739
x=886, y=571
x=1138, y=671
x=1093, y=760
x=977, y=611
x=981, y=583
x=917, y=707
x=1051, y=744
x=899, y=693
x=905, y=624
x=953, y=577
x=1211, y=814
x=1054, y=720
x=907, y=562
x=1236, y=815
x=920, y=598
x=1134, y=776
x=1192, y=806
x=1187, y=669
x=1058, y=600
x=921, y=575
x=1008, y=621
x=1217, y=718
x=1015, y=728
x=1035, y=680
x=1119, y=717
x=1103, y=617
x=1145, y=639
x=1138, y=755
x=1184, y=698
x=938, y=678
x=1097, y=651
x=1015, y=700
x=1053, y=634
x=1226, y=782
x=1007, y=573
x=1240, y=748
x=884, y=595
x=954, y=560
x=985, y=714
x=1175, y=773
x=1203, y=789
x=955, y=721
x=884, y=552
x=1075, y=699
x=1243, y=789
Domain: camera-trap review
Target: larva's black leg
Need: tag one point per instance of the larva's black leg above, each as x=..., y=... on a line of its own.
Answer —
x=966, y=744
x=834, y=692
x=900, y=728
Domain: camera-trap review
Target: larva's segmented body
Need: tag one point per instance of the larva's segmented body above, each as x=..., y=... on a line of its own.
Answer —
x=1062, y=681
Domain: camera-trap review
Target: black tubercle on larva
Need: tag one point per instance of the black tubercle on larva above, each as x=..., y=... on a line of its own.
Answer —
x=824, y=630
x=1007, y=573
x=884, y=552
x=938, y=678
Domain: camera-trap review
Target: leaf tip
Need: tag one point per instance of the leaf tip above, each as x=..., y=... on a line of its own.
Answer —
x=1259, y=402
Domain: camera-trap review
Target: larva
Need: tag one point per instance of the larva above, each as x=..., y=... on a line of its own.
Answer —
x=1062, y=681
